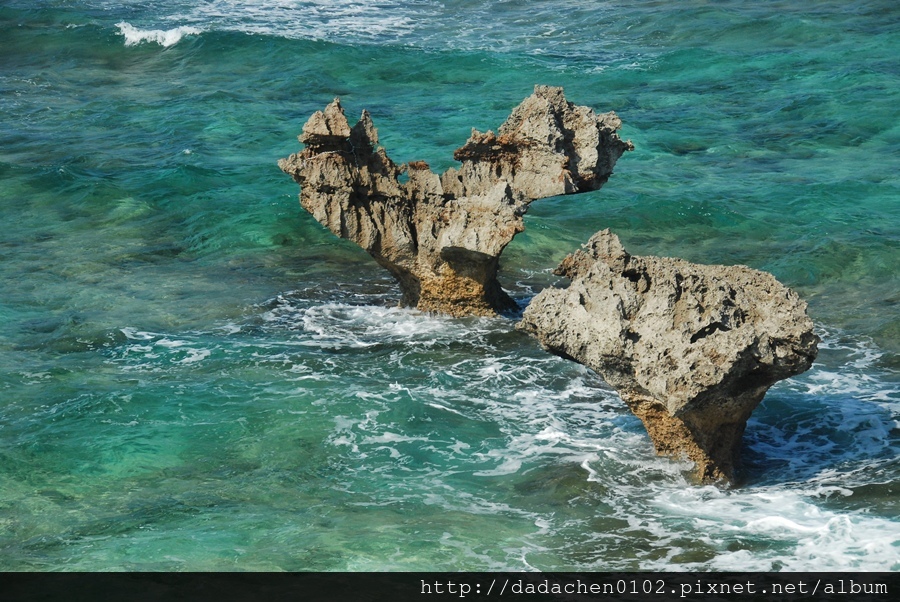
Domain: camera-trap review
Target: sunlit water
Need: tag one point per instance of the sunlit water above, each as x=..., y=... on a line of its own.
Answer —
x=195, y=375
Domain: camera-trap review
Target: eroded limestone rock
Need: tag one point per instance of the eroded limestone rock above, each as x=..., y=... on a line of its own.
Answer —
x=441, y=236
x=692, y=349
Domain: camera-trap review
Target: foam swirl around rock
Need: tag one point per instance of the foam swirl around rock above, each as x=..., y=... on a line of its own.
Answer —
x=692, y=349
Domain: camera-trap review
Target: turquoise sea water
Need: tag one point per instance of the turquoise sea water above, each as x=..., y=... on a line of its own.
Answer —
x=195, y=375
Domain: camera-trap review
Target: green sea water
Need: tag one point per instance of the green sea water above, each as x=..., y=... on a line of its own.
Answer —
x=195, y=375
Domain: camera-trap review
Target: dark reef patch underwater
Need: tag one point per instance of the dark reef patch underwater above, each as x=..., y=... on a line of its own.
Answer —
x=195, y=375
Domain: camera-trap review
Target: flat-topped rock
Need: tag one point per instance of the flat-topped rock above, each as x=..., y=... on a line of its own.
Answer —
x=441, y=236
x=690, y=348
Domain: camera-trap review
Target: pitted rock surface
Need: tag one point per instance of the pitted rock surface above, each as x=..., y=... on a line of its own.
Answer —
x=441, y=236
x=690, y=348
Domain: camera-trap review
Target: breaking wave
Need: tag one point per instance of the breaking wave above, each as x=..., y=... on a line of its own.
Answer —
x=165, y=38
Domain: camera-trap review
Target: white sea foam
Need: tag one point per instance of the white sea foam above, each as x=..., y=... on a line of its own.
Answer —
x=163, y=37
x=428, y=403
x=358, y=326
x=144, y=349
x=134, y=334
x=195, y=355
x=564, y=31
x=802, y=536
x=314, y=19
x=806, y=535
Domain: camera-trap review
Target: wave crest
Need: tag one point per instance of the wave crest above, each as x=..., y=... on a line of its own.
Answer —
x=163, y=37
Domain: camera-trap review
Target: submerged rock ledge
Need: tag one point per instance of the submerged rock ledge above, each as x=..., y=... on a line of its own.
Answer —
x=691, y=349
x=441, y=236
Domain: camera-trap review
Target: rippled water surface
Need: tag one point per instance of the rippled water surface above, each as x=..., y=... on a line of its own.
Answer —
x=195, y=375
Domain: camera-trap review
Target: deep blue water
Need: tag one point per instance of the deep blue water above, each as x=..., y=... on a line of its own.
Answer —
x=195, y=375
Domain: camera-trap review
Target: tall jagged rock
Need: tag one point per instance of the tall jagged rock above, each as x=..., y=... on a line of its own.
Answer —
x=441, y=236
x=691, y=349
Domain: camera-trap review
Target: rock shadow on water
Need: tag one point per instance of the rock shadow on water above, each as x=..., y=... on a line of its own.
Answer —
x=840, y=449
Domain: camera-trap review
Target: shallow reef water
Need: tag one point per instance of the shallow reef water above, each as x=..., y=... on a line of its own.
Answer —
x=195, y=375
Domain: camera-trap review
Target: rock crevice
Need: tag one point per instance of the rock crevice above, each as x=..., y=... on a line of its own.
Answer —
x=690, y=348
x=441, y=236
